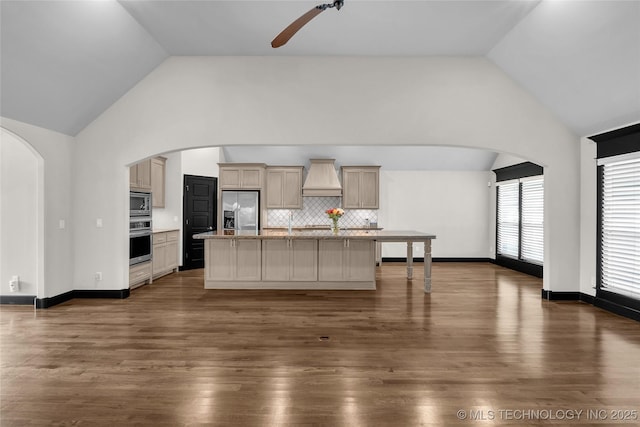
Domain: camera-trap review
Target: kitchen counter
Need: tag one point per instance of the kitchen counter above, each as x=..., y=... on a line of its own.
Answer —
x=368, y=234
x=246, y=259
x=164, y=230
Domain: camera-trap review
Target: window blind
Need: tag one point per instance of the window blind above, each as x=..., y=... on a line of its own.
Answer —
x=620, y=225
x=508, y=228
x=532, y=239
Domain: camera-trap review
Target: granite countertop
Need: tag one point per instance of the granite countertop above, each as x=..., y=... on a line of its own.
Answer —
x=364, y=234
x=164, y=230
x=317, y=227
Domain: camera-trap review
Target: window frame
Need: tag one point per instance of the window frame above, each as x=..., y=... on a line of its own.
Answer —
x=618, y=142
x=610, y=296
x=519, y=172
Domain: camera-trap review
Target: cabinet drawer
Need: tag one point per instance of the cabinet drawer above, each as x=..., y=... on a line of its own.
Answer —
x=139, y=272
x=172, y=236
x=159, y=238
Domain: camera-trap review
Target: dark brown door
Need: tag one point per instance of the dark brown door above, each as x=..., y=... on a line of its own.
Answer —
x=199, y=212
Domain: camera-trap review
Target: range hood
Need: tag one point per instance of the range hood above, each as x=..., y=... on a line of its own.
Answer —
x=322, y=179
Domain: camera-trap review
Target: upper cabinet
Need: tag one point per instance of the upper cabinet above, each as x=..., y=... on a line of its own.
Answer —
x=240, y=176
x=158, y=165
x=140, y=176
x=149, y=175
x=360, y=187
x=284, y=187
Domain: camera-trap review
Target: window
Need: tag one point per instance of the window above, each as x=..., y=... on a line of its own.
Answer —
x=620, y=226
x=618, y=234
x=520, y=218
x=532, y=240
x=508, y=219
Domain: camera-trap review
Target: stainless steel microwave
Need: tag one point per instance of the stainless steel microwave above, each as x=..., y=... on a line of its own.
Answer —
x=139, y=203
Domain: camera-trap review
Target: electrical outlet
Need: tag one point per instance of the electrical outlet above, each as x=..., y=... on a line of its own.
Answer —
x=98, y=276
x=14, y=284
x=99, y=222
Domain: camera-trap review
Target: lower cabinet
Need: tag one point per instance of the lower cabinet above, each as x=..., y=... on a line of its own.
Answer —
x=139, y=274
x=290, y=260
x=289, y=263
x=346, y=260
x=165, y=252
x=232, y=260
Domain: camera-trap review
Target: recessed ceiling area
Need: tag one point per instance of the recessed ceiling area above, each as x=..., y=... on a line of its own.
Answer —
x=63, y=63
x=388, y=157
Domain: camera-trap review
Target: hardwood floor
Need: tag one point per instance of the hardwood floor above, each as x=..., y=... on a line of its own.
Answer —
x=176, y=354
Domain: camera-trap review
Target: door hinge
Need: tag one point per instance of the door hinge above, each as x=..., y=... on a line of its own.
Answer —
x=187, y=187
x=186, y=255
x=187, y=221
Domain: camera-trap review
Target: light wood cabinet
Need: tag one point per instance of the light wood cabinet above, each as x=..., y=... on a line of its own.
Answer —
x=360, y=187
x=240, y=176
x=284, y=187
x=158, y=166
x=290, y=260
x=165, y=252
x=140, y=176
x=139, y=274
x=233, y=260
x=346, y=260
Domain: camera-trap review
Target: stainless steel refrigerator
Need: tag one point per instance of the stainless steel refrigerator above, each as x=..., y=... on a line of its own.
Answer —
x=240, y=211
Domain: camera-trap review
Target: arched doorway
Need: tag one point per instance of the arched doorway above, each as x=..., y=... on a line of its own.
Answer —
x=21, y=218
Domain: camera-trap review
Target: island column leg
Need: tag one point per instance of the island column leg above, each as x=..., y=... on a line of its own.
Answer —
x=427, y=266
x=409, y=260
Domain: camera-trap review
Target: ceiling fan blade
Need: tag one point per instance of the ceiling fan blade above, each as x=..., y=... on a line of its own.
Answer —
x=293, y=28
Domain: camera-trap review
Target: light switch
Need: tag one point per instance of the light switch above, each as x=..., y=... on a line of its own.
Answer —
x=61, y=224
x=99, y=222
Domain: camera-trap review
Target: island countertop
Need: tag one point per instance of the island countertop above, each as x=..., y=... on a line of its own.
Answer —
x=277, y=259
x=364, y=234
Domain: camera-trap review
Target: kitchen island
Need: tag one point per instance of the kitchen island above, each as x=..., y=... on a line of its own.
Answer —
x=303, y=259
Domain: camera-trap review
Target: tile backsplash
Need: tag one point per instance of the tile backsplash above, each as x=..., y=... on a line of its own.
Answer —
x=313, y=213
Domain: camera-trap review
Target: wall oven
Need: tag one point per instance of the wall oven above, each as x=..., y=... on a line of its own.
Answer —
x=140, y=243
x=139, y=204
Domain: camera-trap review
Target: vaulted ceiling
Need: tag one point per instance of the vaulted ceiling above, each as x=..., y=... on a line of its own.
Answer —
x=64, y=62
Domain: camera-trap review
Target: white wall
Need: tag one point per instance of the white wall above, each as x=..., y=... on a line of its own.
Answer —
x=452, y=205
x=202, y=162
x=55, y=258
x=192, y=102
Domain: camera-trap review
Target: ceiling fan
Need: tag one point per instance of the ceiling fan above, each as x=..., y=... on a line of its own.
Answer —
x=293, y=28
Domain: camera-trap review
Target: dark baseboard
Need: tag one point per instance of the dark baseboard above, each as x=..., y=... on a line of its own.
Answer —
x=611, y=306
x=589, y=299
x=618, y=309
x=521, y=266
x=118, y=294
x=560, y=296
x=51, y=301
x=17, y=299
x=59, y=299
x=421, y=259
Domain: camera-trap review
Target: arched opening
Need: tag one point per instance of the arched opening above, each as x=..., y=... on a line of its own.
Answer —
x=21, y=217
x=441, y=174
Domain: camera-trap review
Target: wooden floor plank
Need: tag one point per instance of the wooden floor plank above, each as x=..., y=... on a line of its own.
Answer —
x=176, y=354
